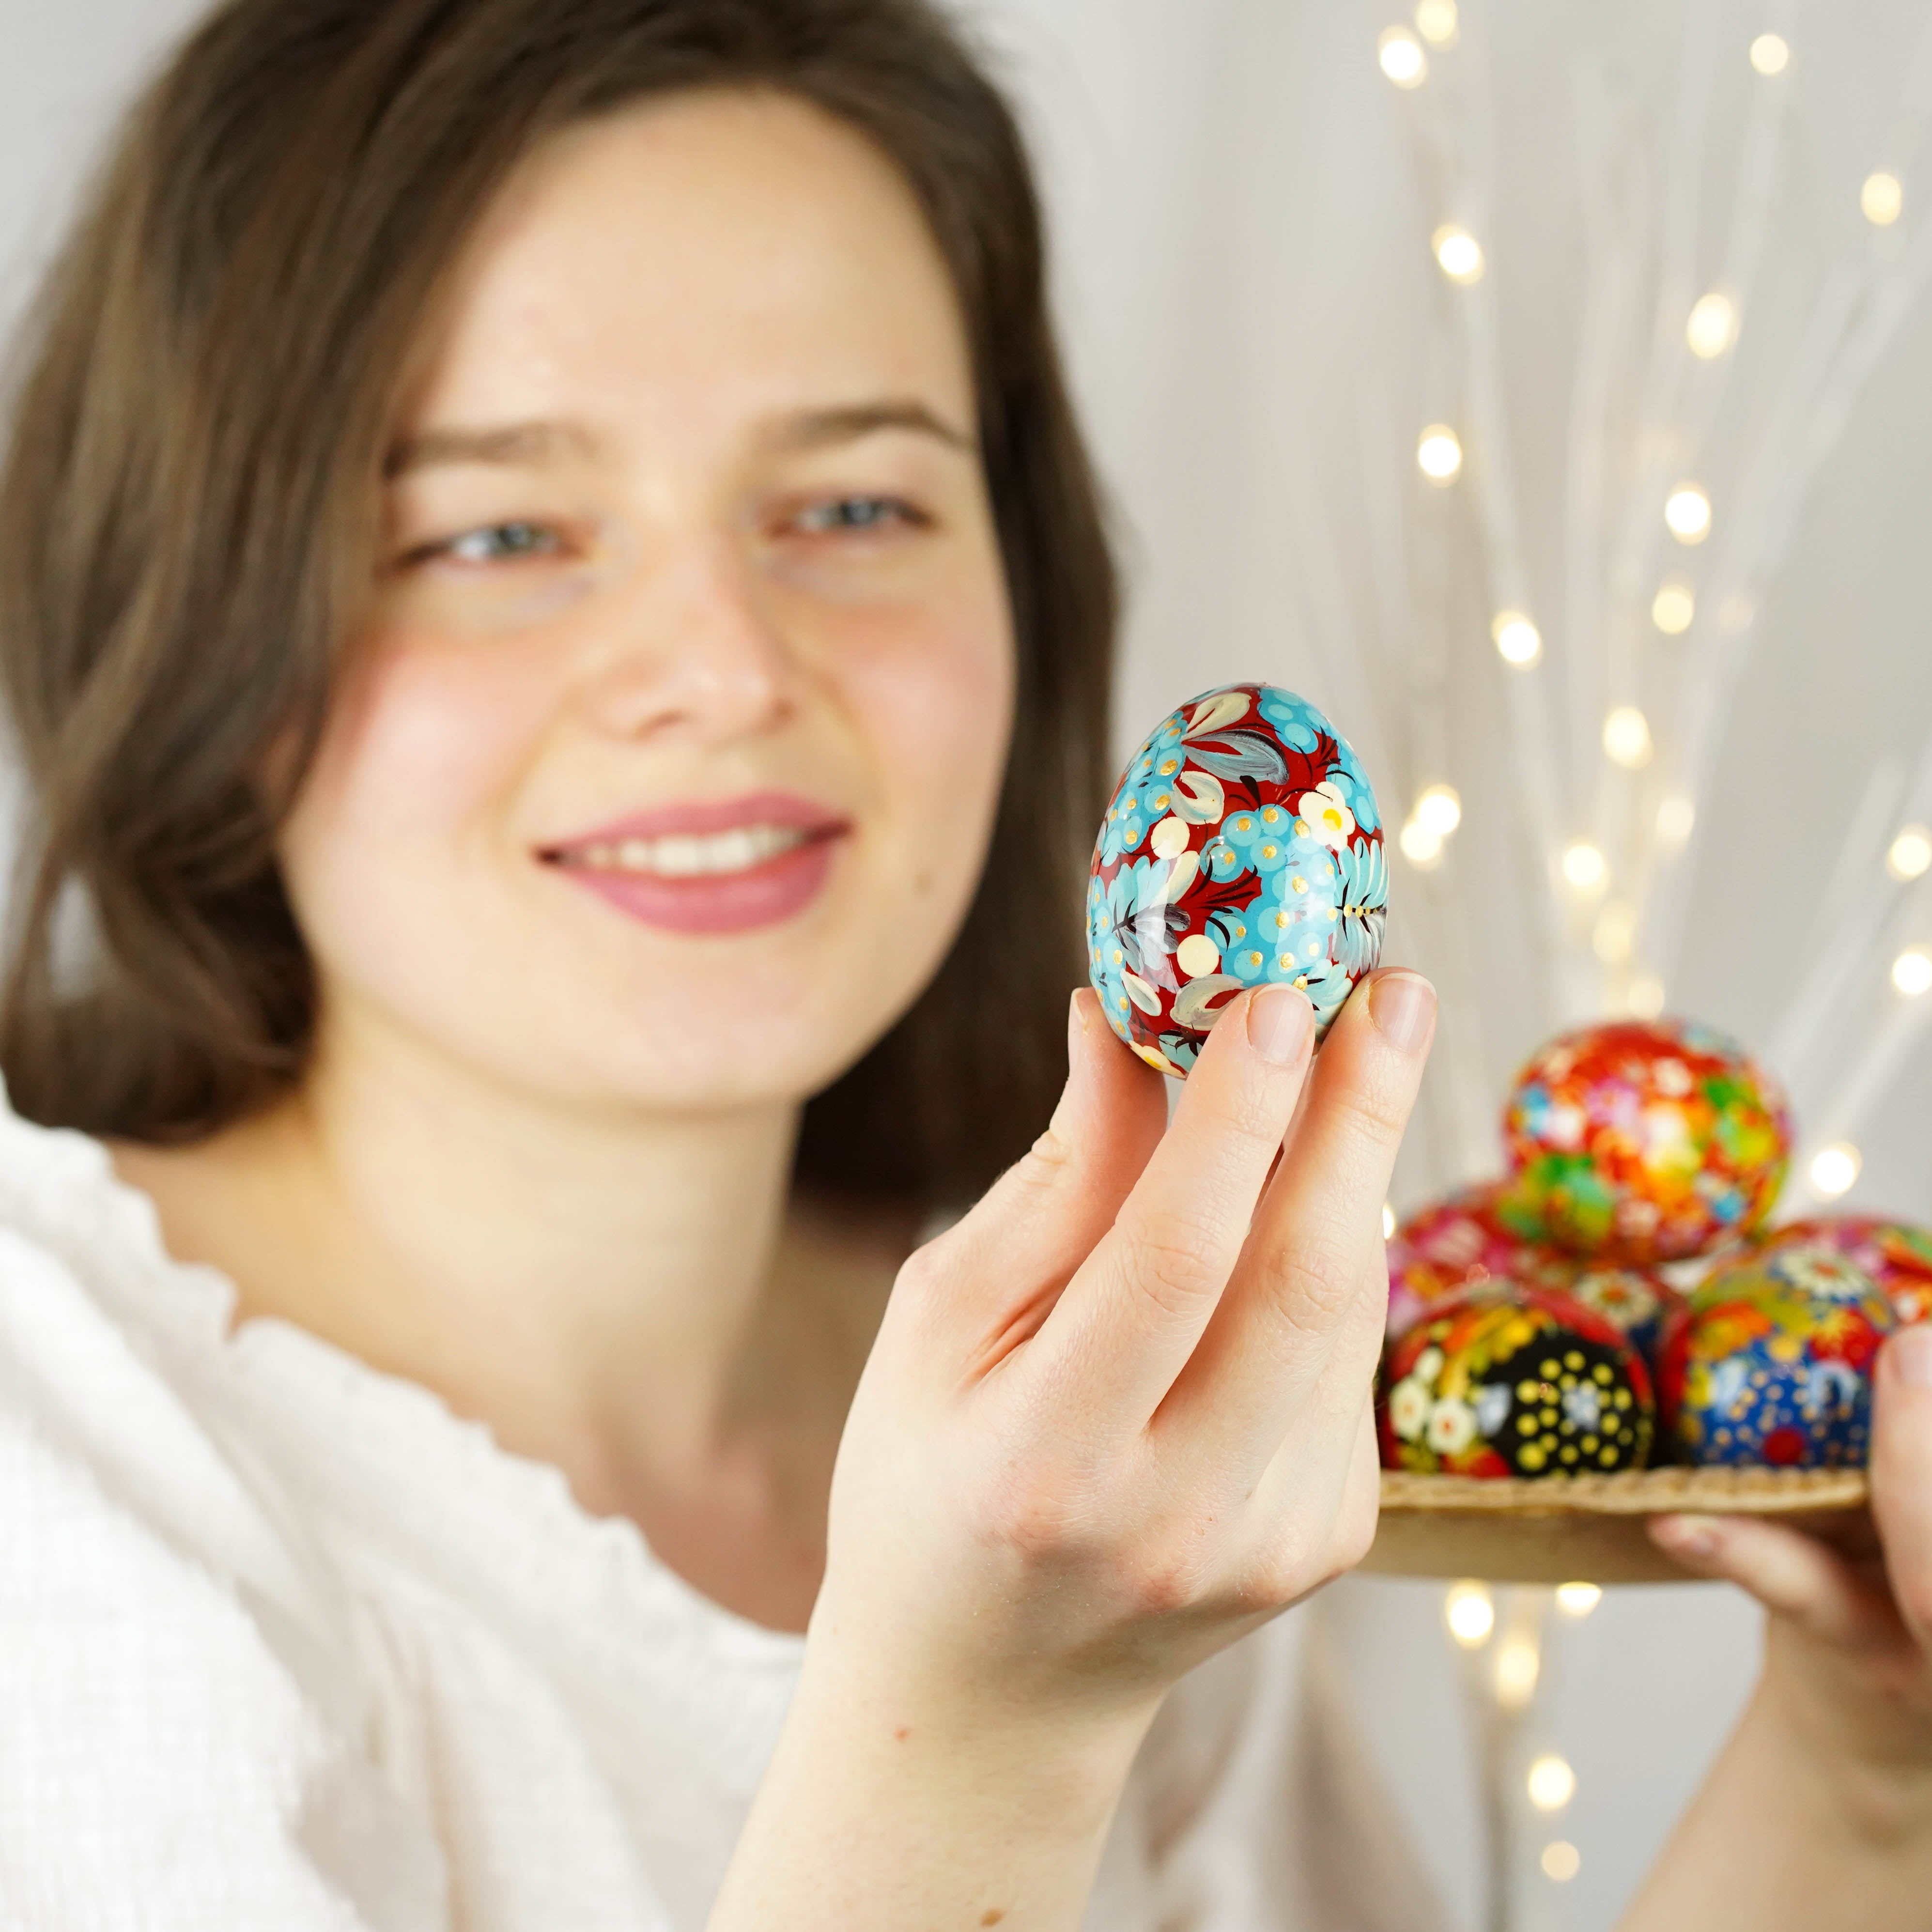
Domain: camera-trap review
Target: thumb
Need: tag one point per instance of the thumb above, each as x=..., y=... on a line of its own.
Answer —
x=1901, y=1473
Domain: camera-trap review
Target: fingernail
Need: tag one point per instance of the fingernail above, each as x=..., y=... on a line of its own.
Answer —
x=1076, y=1019
x=1403, y=1006
x=1281, y=1025
x=1911, y=1352
x=1693, y=1536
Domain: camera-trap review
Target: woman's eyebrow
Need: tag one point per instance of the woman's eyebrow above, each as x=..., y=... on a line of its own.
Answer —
x=819, y=428
x=524, y=442
x=540, y=442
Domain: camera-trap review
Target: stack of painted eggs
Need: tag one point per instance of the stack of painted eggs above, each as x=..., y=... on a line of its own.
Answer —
x=1615, y=1301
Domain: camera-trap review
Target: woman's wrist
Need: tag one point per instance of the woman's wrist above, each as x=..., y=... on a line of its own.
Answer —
x=1860, y=1764
x=894, y=1799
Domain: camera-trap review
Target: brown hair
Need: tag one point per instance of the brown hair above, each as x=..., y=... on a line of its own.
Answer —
x=187, y=519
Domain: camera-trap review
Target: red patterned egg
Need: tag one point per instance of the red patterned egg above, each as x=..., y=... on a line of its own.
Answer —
x=1451, y=1245
x=1896, y=1255
x=1514, y=1381
x=1642, y=1141
x=1242, y=848
x=1771, y=1362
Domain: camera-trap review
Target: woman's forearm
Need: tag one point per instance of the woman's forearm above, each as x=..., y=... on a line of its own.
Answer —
x=882, y=1816
x=1784, y=1836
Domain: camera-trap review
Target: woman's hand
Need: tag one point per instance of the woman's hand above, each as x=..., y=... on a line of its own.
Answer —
x=1822, y=1807
x=1119, y=1414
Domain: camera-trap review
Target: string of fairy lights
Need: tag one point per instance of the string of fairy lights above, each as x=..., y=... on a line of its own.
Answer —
x=1584, y=872
x=1683, y=562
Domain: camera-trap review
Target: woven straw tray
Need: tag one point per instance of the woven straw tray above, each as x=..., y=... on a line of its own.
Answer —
x=1591, y=1528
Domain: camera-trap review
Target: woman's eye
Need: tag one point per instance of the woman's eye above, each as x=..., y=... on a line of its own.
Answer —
x=840, y=514
x=498, y=543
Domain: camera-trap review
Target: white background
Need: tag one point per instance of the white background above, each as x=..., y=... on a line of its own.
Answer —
x=1255, y=325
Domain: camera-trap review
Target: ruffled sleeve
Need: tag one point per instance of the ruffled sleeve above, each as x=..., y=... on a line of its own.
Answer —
x=177, y=1748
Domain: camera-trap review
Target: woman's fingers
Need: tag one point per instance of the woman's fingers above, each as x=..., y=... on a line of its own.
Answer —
x=1041, y=1218
x=1133, y=1313
x=1793, y=1575
x=1312, y=1267
x=1798, y=1578
x=1901, y=1474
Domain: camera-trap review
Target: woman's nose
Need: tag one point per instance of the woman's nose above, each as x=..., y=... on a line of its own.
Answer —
x=691, y=649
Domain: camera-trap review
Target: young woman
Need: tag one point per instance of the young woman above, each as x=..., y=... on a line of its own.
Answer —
x=557, y=624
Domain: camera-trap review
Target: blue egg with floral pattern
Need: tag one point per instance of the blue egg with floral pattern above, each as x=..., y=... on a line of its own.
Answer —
x=1242, y=848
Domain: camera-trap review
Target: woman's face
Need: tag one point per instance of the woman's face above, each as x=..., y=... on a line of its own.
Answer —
x=668, y=761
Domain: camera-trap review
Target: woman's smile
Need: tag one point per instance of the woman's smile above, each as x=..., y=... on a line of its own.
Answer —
x=721, y=866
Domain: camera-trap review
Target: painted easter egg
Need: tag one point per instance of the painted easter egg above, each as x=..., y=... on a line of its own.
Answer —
x=1896, y=1255
x=1242, y=847
x=1642, y=1141
x=1771, y=1362
x=1636, y=1302
x=1448, y=1247
x=1514, y=1382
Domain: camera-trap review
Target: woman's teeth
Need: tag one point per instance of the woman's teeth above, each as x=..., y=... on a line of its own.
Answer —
x=684, y=856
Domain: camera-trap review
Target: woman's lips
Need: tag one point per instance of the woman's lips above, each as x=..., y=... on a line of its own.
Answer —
x=726, y=865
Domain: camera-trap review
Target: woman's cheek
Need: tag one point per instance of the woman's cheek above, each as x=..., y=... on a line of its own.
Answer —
x=936, y=703
x=425, y=740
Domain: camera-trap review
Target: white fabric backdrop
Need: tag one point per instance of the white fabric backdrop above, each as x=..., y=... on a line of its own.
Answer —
x=1258, y=331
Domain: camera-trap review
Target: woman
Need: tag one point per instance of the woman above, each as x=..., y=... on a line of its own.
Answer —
x=556, y=619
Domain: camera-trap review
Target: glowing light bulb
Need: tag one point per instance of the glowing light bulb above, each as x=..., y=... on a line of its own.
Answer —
x=1401, y=56
x=1645, y=1001
x=1436, y=22
x=1627, y=738
x=1551, y=1783
x=1578, y=1600
x=1518, y=641
x=1561, y=1861
x=1517, y=1668
x=1911, y=972
x=1911, y=852
x=1881, y=199
x=1613, y=938
x=1770, y=54
x=1388, y=1222
x=1420, y=847
x=1676, y=816
x=1834, y=1168
x=1470, y=1613
x=1439, y=453
x=1439, y=810
x=1673, y=608
x=1709, y=329
x=1583, y=865
x=1687, y=512
x=1458, y=254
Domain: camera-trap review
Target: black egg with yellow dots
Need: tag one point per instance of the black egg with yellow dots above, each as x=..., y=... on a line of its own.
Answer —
x=1511, y=1380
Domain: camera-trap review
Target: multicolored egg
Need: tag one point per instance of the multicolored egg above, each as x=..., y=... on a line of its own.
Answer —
x=1514, y=1382
x=1642, y=1141
x=1450, y=1246
x=1771, y=1362
x=1242, y=847
x=1896, y=1255
x=1636, y=1302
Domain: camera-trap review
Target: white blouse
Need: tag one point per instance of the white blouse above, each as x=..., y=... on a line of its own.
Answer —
x=284, y=1644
